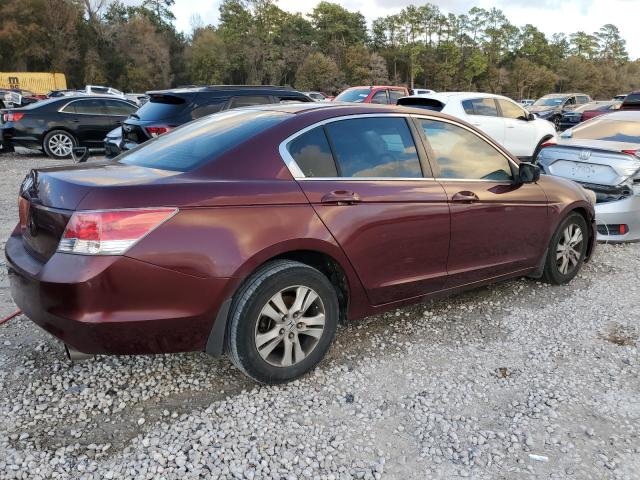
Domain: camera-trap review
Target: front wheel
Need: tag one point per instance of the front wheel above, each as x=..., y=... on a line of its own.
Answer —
x=58, y=144
x=282, y=322
x=567, y=250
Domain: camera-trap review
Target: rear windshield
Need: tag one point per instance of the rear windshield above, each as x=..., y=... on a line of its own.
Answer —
x=609, y=130
x=200, y=141
x=357, y=95
x=425, y=103
x=161, y=107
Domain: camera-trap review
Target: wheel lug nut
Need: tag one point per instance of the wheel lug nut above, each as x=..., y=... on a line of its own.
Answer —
x=282, y=331
x=290, y=334
x=299, y=325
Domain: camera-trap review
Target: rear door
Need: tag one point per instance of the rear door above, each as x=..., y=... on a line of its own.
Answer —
x=369, y=184
x=520, y=136
x=88, y=117
x=498, y=226
x=483, y=113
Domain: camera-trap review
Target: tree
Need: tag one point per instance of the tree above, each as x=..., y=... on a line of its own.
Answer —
x=207, y=57
x=611, y=46
x=583, y=45
x=318, y=72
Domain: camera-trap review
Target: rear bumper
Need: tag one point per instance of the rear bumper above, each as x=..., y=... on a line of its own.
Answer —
x=626, y=211
x=114, y=305
x=9, y=136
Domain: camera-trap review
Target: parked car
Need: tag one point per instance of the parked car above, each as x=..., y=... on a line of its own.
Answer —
x=603, y=155
x=57, y=125
x=631, y=101
x=421, y=91
x=317, y=96
x=137, y=98
x=16, y=98
x=383, y=94
x=552, y=107
x=65, y=93
x=168, y=109
x=619, y=97
x=586, y=112
x=527, y=102
x=500, y=117
x=246, y=233
x=100, y=90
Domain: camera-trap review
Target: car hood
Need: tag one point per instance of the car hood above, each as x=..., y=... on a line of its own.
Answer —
x=540, y=109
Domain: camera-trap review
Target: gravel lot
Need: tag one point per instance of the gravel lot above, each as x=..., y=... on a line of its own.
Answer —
x=520, y=380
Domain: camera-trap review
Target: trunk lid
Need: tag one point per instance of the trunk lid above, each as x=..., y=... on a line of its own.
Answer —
x=594, y=162
x=53, y=194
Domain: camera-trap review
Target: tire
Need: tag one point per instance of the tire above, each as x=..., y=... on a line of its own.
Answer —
x=58, y=144
x=554, y=270
x=285, y=281
x=556, y=122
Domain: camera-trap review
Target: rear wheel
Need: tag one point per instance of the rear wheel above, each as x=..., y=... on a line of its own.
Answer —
x=567, y=250
x=282, y=322
x=59, y=144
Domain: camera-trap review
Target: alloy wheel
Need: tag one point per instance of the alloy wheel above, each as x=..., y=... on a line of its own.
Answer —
x=569, y=250
x=289, y=326
x=61, y=145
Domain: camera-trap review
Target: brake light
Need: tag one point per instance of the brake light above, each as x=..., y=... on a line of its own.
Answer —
x=550, y=143
x=632, y=152
x=156, y=131
x=12, y=116
x=623, y=229
x=23, y=212
x=110, y=232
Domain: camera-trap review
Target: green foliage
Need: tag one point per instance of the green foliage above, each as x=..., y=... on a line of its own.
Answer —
x=135, y=46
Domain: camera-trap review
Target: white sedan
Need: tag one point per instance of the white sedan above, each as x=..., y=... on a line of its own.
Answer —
x=499, y=117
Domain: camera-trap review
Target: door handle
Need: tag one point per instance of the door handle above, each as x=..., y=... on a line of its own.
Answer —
x=465, y=197
x=341, y=197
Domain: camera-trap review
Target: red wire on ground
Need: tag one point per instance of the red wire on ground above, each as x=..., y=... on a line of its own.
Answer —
x=14, y=314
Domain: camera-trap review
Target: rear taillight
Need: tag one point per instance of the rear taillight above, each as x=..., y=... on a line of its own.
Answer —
x=550, y=143
x=632, y=152
x=156, y=131
x=23, y=212
x=110, y=232
x=12, y=116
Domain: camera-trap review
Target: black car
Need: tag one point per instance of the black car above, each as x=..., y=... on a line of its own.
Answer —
x=551, y=107
x=57, y=125
x=167, y=109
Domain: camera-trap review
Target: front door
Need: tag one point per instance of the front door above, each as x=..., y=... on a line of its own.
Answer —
x=498, y=225
x=483, y=113
x=374, y=192
x=520, y=134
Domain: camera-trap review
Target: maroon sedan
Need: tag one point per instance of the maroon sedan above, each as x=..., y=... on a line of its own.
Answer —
x=253, y=232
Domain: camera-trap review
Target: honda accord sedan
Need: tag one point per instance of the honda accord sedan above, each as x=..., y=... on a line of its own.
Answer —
x=253, y=232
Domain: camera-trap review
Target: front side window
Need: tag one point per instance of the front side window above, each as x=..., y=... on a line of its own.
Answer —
x=354, y=95
x=312, y=154
x=374, y=147
x=115, y=107
x=511, y=110
x=380, y=97
x=480, y=106
x=89, y=107
x=461, y=154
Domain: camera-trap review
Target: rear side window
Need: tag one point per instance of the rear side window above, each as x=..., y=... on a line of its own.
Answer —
x=208, y=108
x=395, y=95
x=374, y=147
x=89, y=107
x=480, y=106
x=162, y=107
x=312, y=153
x=248, y=100
x=200, y=141
x=380, y=97
x=461, y=154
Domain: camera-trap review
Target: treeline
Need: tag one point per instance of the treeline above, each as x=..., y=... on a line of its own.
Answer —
x=137, y=48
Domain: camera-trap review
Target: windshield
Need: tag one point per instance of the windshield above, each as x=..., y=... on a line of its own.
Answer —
x=357, y=95
x=200, y=141
x=548, y=102
x=608, y=130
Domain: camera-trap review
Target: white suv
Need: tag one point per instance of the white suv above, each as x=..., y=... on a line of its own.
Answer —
x=499, y=117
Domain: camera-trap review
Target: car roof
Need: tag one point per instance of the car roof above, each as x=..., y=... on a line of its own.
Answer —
x=444, y=97
x=222, y=88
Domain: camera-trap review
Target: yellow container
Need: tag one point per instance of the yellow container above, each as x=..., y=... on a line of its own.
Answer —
x=39, y=83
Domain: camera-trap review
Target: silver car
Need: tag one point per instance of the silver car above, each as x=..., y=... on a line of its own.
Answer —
x=603, y=155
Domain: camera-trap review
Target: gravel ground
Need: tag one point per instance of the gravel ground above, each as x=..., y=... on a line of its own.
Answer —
x=519, y=380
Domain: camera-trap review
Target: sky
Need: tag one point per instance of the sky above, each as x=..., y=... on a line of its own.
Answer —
x=550, y=16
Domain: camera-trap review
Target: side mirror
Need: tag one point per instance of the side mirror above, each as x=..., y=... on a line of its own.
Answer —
x=79, y=154
x=531, y=117
x=529, y=173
